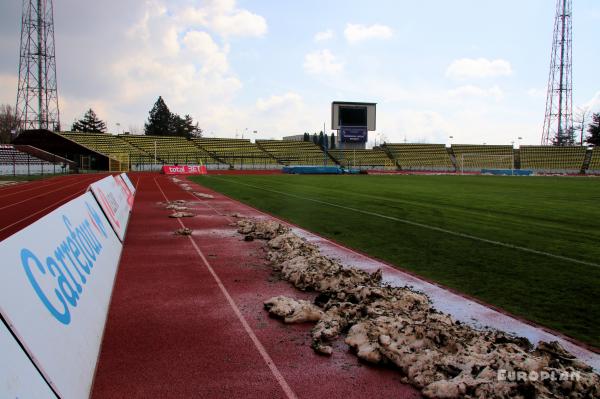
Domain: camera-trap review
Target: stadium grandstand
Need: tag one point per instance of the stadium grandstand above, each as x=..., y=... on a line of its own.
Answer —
x=421, y=157
x=295, y=152
x=24, y=159
x=473, y=158
x=551, y=159
x=238, y=153
x=376, y=158
x=594, y=165
x=171, y=150
x=118, y=151
x=97, y=151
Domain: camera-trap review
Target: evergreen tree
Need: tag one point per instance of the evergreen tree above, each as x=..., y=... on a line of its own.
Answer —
x=314, y=139
x=321, y=140
x=332, y=142
x=594, y=130
x=564, y=138
x=162, y=122
x=89, y=123
x=160, y=119
x=191, y=128
x=306, y=137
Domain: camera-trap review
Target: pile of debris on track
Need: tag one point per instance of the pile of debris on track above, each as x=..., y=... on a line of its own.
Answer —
x=398, y=326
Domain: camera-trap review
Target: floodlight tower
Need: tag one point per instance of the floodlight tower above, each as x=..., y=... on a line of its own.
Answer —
x=37, y=95
x=558, y=122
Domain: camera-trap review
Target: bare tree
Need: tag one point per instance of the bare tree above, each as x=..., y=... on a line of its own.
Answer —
x=580, y=120
x=8, y=123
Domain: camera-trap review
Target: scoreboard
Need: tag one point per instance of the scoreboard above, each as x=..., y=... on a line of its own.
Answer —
x=353, y=120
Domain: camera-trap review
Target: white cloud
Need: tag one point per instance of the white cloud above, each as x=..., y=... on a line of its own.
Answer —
x=239, y=23
x=470, y=92
x=324, y=35
x=180, y=61
x=322, y=62
x=289, y=100
x=355, y=33
x=222, y=17
x=207, y=52
x=466, y=68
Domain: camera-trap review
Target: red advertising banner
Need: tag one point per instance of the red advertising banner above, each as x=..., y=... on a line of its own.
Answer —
x=184, y=170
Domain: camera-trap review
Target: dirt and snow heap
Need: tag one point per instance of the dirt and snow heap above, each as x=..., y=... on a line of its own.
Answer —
x=180, y=214
x=203, y=195
x=398, y=326
x=178, y=206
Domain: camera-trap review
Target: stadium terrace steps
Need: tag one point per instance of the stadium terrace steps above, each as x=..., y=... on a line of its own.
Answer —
x=236, y=152
x=552, y=159
x=594, y=165
x=421, y=156
x=170, y=149
x=476, y=157
x=9, y=155
x=272, y=154
x=375, y=158
x=104, y=143
x=294, y=152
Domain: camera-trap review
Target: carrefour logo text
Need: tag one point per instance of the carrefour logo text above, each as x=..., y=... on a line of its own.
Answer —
x=69, y=267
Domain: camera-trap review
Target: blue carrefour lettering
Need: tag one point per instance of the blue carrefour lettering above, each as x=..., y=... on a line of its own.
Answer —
x=60, y=281
x=77, y=246
x=27, y=256
x=97, y=219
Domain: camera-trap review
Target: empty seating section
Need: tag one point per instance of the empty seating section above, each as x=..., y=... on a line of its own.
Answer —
x=595, y=161
x=241, y=153
x=13, y=161
x=363, y=159
x=104, y=143
x=10, y=155
x=295, y=152
x=267, y=154
x=477, y=157
x=421, y=156
x=552, y=159
x=170, y=149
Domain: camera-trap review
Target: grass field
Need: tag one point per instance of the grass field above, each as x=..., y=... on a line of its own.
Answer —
x=437, y=227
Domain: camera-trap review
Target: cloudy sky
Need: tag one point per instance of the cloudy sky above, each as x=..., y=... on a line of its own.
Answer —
x=472, y=69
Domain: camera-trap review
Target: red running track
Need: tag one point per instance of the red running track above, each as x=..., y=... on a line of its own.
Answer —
x=186, y=317
x=24, y=203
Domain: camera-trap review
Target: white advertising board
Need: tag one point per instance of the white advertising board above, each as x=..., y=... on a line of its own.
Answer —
x=112, y=197
x=18, y=376
x=128, y=182
x=126, y=190
x=56, y=279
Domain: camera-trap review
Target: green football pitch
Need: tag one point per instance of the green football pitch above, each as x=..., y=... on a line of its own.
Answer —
x=529, y=245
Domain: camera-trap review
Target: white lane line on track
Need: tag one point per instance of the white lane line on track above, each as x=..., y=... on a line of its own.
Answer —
x=259, y=346
x=422, y=225
x=54, y=204
x=42, y=210
x=50, y=182
x=40, y=194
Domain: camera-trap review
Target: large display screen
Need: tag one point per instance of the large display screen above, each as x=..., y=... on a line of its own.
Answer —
x=353, y=134
x=353, y=116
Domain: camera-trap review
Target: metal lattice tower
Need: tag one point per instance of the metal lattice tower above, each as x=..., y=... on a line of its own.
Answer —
x=37, y=95
x=558, y=123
